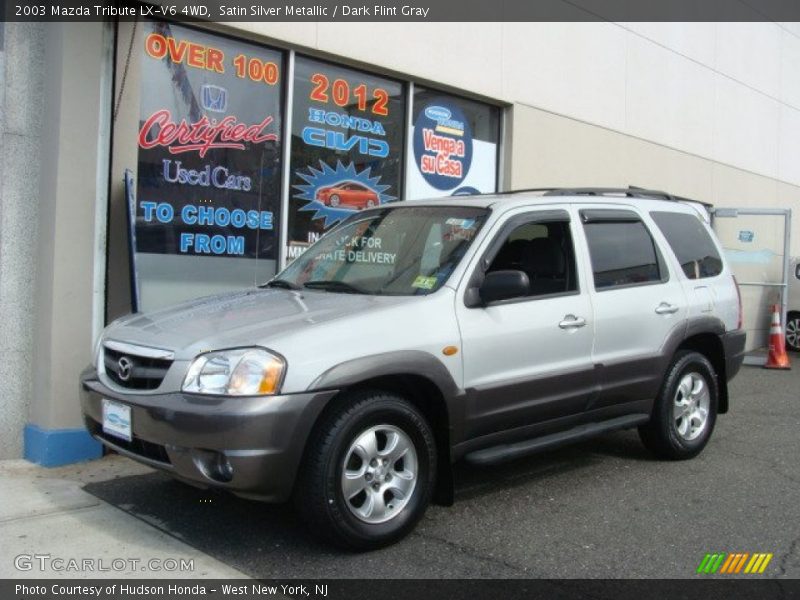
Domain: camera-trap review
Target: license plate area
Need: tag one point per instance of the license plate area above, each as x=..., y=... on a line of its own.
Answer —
x=117, y=419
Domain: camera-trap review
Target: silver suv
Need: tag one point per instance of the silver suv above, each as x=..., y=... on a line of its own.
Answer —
x=420, y=333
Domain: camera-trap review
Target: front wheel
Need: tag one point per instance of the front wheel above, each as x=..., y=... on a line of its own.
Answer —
x=685, y=410
x=368, y=473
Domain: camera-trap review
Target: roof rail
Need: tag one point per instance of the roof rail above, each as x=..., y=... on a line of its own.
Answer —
x=631, y=192
x=527, y=190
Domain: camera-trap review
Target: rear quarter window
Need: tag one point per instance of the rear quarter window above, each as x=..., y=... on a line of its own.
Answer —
x=691, y=243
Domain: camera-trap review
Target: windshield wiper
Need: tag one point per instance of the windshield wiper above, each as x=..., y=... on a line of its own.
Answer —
x=281, y=283
x=334, y=286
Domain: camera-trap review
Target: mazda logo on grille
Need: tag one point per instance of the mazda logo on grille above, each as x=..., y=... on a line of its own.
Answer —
x=124, y=368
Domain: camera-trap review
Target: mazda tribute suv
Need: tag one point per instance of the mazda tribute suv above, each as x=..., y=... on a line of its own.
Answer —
x=417, y=334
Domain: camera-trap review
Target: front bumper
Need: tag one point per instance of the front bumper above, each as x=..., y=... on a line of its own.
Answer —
x=251, y=446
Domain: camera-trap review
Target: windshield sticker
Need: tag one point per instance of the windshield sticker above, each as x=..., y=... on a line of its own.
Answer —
x=423, y=282
x=460, y=229
x=463, y=223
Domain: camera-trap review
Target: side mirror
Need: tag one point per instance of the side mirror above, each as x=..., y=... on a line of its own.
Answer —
x=503, y=285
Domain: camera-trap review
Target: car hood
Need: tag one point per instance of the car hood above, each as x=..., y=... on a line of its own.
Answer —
x=252, y=317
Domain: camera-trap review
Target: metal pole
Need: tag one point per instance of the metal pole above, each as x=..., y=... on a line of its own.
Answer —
x=286, y=152
x=409, y=149
x=787, y=248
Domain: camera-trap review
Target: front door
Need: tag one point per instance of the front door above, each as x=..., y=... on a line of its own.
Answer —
x=528, y=359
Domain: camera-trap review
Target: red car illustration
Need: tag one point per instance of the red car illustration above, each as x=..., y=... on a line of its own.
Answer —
x=348, y=194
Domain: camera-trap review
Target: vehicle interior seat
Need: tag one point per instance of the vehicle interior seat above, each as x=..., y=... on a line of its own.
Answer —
x=511, y=256
x=546, y=266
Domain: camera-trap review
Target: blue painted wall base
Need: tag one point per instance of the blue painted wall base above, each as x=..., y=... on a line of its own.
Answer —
x=56, y=447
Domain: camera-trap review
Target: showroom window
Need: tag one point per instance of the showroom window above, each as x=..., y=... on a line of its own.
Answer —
x=454, y=144
x=218, y=180
x=208, y=177
x=347, y=147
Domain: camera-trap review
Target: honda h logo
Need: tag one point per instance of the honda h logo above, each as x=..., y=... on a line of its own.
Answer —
x=124, y=368
x=214, y=98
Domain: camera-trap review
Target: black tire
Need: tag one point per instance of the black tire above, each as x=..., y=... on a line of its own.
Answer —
x=793, y=332
x=662, y=435
x=334, y=201
x=319, y=497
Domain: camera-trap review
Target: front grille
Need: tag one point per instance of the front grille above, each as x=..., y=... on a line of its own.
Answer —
x=143, y=373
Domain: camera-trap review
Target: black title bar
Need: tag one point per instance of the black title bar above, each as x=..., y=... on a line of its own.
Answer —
x=405, y=10
x=398, y=589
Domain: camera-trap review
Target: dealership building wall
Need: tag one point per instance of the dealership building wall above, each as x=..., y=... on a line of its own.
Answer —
x=709, y=111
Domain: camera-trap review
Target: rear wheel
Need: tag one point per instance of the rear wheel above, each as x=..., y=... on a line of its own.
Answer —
x=685, y=411
x=334, y=200
x=368, y=474
x=793, y=332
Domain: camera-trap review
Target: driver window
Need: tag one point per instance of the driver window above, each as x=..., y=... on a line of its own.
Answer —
x=545, y=253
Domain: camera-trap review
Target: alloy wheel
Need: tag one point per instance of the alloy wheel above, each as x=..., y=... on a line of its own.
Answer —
x=379, y=473
x=690, y=406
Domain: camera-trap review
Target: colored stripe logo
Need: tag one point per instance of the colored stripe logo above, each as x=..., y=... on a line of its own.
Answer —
x=734, y=563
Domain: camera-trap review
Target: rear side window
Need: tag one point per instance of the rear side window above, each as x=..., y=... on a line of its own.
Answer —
x=691, y=243
x=622, y=252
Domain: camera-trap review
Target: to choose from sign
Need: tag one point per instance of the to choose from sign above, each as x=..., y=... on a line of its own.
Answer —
x=208, y=176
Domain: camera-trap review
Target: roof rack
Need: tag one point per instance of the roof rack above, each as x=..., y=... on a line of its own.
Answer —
x=630, y=192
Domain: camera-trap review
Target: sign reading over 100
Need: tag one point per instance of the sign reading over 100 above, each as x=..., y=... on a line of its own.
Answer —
x=201, y=56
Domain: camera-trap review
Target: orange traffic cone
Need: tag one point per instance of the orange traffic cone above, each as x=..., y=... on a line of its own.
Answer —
x=777, y=358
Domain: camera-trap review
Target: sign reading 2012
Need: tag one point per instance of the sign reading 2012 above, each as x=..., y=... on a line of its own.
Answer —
x=341, y=94
x=364, y=130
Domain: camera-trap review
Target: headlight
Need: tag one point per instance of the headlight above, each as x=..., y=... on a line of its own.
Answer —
x=240, y=372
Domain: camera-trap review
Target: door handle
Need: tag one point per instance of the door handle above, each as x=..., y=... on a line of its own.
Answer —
x=665, y=308
x=572, y=322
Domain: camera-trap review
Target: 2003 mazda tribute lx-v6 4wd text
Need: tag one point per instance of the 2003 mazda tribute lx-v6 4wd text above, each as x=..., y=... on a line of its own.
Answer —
x=420, y=333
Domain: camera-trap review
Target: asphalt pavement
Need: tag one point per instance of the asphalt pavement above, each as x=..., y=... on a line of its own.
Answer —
x=600, y=509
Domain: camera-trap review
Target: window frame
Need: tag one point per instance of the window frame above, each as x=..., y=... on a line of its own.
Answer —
x=487, y=256
x=589, y=216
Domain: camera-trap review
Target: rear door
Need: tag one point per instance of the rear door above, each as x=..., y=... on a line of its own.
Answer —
x=638, y=304
x=528, y=360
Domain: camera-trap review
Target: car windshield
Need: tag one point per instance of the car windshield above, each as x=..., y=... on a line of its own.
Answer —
x=399, y=251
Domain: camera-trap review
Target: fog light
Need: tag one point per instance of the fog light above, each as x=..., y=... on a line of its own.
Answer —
x=214, y=465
